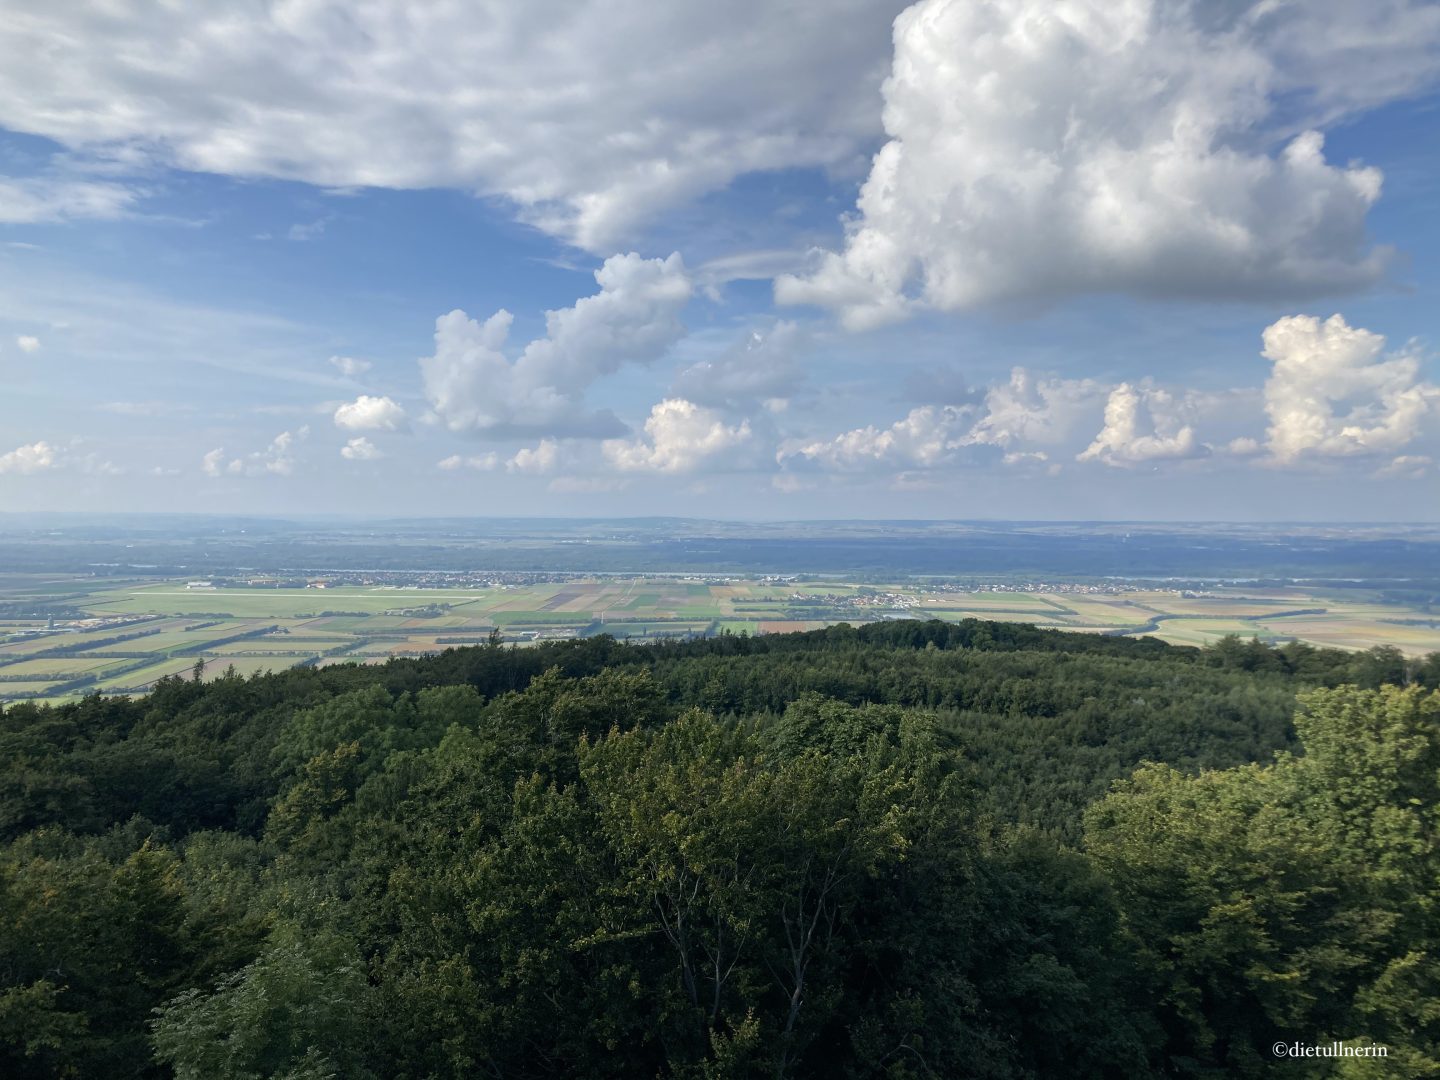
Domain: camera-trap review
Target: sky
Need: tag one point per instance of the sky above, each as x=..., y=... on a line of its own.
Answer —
x=1024, y=259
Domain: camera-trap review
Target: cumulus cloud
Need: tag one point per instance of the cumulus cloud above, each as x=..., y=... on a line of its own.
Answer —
x=543, y=458
x=1332, y=392
x=1126, y=439
x=1041, y=149
x=926, y=437
x=1031, y=459
x=350, y=366
x=764, y=367
x=43, y=457
x=368, y=413
x=27, y=343
x=45, y=200
x=277, y=459
x=589, y=116
x=1026, y=422
x=360, y=449
x=679, y=437
x=635, y=317
x=36, y=457
x=1029, y=409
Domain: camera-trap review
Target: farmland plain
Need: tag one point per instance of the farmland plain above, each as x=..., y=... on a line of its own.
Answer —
x=70, y=634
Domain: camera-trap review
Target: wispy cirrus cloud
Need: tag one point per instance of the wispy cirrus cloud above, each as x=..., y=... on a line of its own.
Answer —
x=45, y=200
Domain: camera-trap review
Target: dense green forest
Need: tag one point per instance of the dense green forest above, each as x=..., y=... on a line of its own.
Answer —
x=902, y=850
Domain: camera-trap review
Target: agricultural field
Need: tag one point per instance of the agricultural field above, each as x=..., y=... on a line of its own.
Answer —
x=80, y=634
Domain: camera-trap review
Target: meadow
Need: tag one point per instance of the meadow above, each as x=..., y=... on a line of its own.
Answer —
x=120, y=637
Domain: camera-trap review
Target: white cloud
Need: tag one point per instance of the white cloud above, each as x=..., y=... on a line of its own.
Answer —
x=368, y=413
x=1335, y=57
x=1407, y=467
x=1029, y=410
x=350, y=366
x=360, y=449
x=277, y=459
x=28, y=343
x=1332, y=393
x=1025, y=422
x=1025, y=457
x=44, y=200
x=928, y=436
x=762, y=368
x=634, y=318
x=33, y=458
x=43, y=457
x=591, y=116
x=1124, y=440
x=537, y=459
x=278, y=456
x=759, y=265
x=1014, y=420
x=681, y=436
x=480, y=463
x=1043, y=148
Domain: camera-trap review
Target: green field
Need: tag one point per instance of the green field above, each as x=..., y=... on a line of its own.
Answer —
x=136, y=631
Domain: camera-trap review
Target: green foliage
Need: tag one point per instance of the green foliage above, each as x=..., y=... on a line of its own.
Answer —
x=1293, y=901
x=34, y=1028
x=91, y=945
x=301, y=1011
x=852, y=853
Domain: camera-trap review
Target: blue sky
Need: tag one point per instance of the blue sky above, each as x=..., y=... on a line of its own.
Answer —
x=999, y=258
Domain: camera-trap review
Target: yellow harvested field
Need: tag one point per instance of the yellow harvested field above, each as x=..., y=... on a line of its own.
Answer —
x=1358, y=633
x=1117, y=612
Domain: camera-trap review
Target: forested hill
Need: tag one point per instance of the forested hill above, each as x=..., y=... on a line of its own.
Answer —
x=906, y=849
